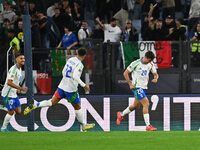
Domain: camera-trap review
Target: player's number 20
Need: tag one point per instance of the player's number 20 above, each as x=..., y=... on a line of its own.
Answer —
x=68, y=70
x=144, y=73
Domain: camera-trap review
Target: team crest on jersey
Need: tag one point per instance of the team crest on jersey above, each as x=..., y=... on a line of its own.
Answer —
x=79, y=70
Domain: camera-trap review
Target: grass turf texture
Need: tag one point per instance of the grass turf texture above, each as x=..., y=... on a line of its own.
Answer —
x=114, y=140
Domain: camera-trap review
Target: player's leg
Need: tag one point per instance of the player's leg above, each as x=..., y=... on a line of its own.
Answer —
x=18, y=110
x=145, y=104
x=45, y=103
x=78, y=111
x=10, y=104
x=129, y=109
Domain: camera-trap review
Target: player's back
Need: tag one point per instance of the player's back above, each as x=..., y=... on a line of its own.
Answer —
x=68, y=83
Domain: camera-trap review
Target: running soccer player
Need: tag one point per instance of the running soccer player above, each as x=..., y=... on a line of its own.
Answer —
x=10, y=90
x=68, y=88
x=140, y=76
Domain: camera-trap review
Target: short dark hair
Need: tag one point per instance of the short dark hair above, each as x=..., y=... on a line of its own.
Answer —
x=69, y=27
x=150, y=55
x=82, y=51
x=19, y=54
x=113, y=19
x=180, y=20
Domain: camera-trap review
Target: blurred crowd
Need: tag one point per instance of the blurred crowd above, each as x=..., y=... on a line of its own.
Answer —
x=64, y=23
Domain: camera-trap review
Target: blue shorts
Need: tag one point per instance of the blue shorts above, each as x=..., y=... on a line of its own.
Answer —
x=139, y=93
x=11, y=103
x=72, y=97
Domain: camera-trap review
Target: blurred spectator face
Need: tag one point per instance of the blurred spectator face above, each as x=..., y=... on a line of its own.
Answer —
x=198, y=27
x=68, y=10
x=128, y=25
x=57, y=12
x=40, y=15
x=84, y=24
x=32, y=6
x=20, y=24
x=65, y=4
x=66, y=30
x=76, y=5
x=113, y=23
x=158, y=24
x=56, y=4
x=22, y=3
x=178, y=24
x=6, y=23
x=168, y=20
x=7, y=6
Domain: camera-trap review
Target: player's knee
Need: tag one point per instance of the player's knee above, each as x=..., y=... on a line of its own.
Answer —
x=146, y=105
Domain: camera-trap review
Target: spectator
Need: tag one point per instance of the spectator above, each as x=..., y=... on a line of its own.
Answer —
x=194, y=16
x=168, y=8
x=58, y=19
x=83, y=32
x=179, y=31
x=149, y=24
x=97, y=33
x=130, y=33
x=14, y=42
x=159, y=32
x=4, y=32
x=21, y=7
x=69, y=18
x=196, y=47
x=32, y=9
x=65, y=4
x=169, y=25
x=19, y=35
x=51, y=9
x=69, y=40
x=78, y=11
x=8, y=13
x=146, y=8
x=43, y=29
x=111, y=31
x=111, y=34
x=35, y=28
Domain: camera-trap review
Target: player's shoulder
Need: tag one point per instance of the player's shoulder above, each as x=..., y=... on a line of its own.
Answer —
x=13, y=69
x=150, y=64
x=137, y=61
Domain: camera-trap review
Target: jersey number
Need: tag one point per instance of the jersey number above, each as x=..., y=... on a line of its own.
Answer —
x=68, y=70
x=144, y=73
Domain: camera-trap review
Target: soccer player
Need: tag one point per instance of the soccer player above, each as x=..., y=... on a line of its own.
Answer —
x=140, y=75
x=10, y=90
x=68, y=88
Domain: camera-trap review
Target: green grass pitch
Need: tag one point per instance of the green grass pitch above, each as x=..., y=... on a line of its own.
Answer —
x=114, y=140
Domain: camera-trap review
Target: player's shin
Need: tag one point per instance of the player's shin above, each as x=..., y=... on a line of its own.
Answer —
x=6, y=121
x=79, y=116
x=126, y=111
x=45, y=103
x=146, y=119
